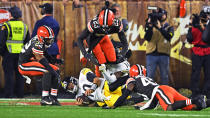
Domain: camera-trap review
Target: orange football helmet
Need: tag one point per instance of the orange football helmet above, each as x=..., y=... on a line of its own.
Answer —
x=136, y=70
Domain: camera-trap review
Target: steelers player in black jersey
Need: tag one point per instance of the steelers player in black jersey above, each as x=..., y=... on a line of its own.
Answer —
x=96, y=35
x=167, y=96
x=33, y=63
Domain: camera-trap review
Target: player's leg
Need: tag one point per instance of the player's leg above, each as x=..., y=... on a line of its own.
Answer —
x=197, y=103
x=54, y=90
x=46, y=85
x=33, y=69
x=97, y=51
x=165, y=97
x=108, y=49
x=119, y=82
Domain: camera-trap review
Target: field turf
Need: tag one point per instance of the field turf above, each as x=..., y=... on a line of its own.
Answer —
x=26, y=108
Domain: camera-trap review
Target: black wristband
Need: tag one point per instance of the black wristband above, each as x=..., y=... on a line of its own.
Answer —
x=94, y=87
x=45, y=63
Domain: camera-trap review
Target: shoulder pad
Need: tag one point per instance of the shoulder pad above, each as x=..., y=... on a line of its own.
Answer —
x=84, y=71
x=93, y=25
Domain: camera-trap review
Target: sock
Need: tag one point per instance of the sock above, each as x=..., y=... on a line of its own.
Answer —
x=181, y=104
x=97, y=72
x=45, y=93
x=54, y=92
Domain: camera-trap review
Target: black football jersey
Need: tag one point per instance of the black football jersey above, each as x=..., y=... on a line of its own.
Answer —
x=144, y=85
x=27, y=52
x=97, y=32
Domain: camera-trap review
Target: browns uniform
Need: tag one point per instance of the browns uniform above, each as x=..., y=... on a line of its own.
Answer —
x=27, y=64
x=97, y=39
x=32, y=62
x=167, y=96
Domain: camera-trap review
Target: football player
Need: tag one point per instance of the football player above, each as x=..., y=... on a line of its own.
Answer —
x=91, y=90
x=115, y=74
x=96, y=36
x=167, y=96
x=33, y=63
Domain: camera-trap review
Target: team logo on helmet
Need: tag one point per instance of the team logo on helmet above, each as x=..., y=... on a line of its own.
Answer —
x=106, y=18
x=136, y=70
x=45, y=35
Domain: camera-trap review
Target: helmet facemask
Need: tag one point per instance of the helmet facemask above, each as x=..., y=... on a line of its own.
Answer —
x=72, y=85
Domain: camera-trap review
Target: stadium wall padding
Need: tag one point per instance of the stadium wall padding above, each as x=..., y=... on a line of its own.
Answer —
x=73, y=21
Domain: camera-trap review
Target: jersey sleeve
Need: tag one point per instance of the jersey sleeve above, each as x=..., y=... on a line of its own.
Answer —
x=90, y=27
x=38, y=49
x=118, y=24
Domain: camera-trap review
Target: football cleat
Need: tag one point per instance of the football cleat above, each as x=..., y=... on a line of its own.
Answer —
x=55, y=101
x=200, y=102
x=46, y=101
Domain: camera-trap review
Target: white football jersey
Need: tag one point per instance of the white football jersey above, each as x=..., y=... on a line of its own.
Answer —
x=85, y=84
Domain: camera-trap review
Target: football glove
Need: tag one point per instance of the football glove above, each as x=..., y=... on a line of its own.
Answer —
x=102, y=68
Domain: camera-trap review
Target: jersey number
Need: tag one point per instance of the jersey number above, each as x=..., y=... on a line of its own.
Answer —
x=146, y=81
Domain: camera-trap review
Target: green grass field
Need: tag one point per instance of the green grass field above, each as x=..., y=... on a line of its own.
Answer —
x=17, y=109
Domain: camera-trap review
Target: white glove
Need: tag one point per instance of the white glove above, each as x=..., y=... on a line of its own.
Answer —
x=102, y=68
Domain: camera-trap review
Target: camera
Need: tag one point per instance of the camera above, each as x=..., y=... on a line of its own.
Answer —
x=157, y=14
x=197, y=19
x=206, y=9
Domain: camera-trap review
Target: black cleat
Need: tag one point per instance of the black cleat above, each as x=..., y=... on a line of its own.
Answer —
x=46, y=101
x=200, y=102
x=55, y=101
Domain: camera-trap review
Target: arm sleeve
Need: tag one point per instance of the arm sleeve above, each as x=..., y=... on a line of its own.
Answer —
x=126, y=93
x=45, y=63
x=82, y=36
x=189, y=36
x=124, y=42
x=122, y=98
x=149, y=32
x=168, y=34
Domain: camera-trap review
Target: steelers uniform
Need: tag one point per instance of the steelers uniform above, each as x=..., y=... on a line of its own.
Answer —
x=101, y=95
x=28, y=65
x=113, y=96
x=86, y=81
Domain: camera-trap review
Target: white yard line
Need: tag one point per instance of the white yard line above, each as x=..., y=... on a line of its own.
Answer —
x=173, y=115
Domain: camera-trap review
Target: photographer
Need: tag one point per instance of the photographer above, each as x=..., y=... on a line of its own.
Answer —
x=158, y=34
x=200, y=54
